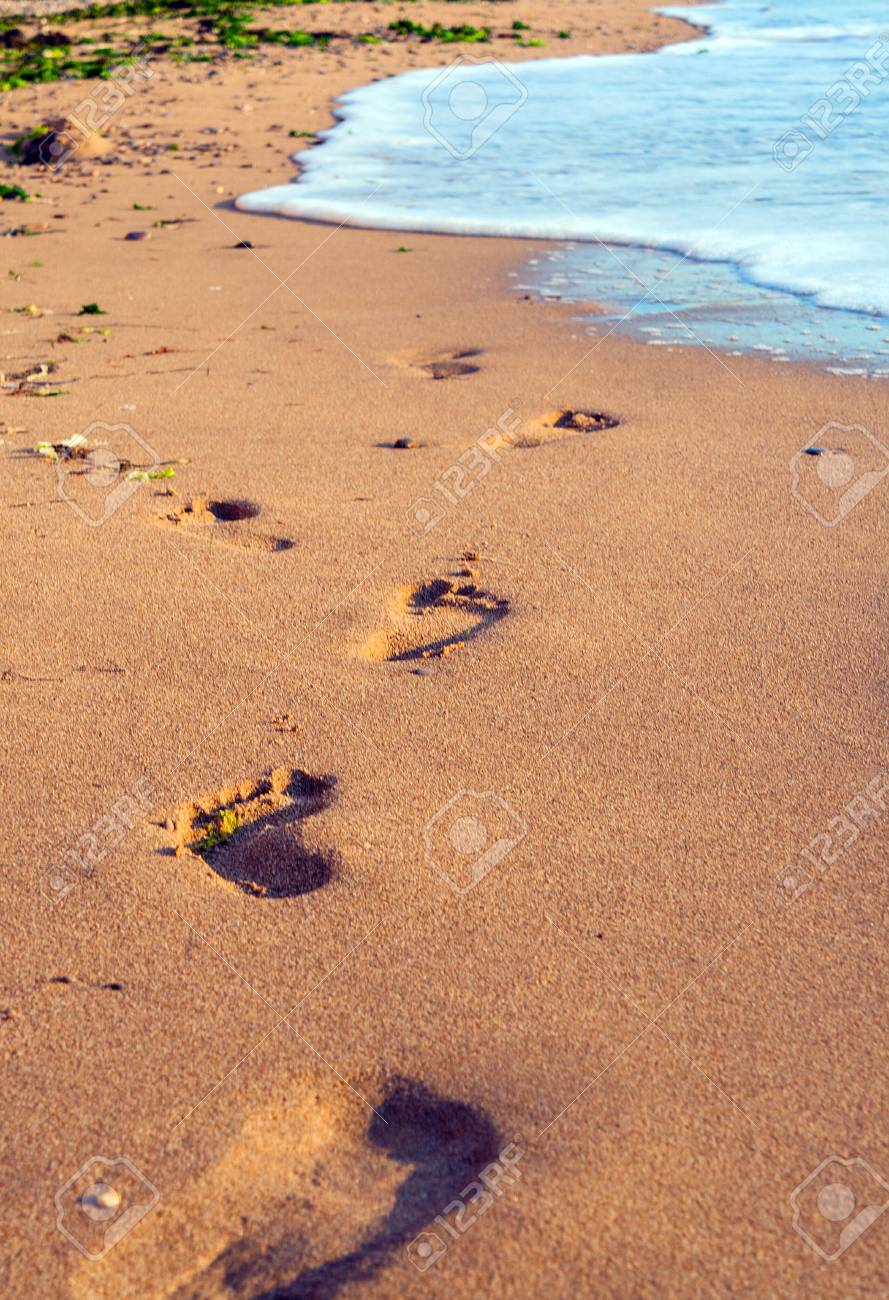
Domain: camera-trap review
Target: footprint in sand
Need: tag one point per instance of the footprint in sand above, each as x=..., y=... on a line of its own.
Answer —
x=225, y=522
x=432, y=619
x=251, y=835
x=310, y=1198
x=564, y=422
x=447, y=365
x=452, y=365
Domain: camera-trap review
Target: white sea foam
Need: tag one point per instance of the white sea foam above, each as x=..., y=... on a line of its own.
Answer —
x=686, y=150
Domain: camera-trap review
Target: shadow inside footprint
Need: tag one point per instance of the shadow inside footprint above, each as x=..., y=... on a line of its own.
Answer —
x=581, y=421
x=435, y=618
x=230, y=512
x=226, y=521
x=565, y=422
x=447, y=1142
x=272, y=862
x=453, y=366
x=467, y=601
x=250, y=835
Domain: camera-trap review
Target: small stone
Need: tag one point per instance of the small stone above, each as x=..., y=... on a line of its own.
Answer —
x=100, y=1200
x=137, y=234
x=404, y=444
x=422, y=672
x=242, y=243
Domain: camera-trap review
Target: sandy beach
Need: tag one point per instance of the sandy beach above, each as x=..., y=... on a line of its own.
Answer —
x=374, y=816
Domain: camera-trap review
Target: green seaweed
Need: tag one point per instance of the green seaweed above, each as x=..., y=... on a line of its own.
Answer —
x=223, y=826
x=219, y=25
x=437, y=32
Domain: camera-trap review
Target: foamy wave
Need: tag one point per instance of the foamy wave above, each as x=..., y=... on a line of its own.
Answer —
x=629, y=149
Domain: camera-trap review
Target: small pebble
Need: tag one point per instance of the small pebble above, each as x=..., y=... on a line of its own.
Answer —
x=137, y=234
x=404, y=444
x=100, y=1197
x=422, y=672
x=243, y=243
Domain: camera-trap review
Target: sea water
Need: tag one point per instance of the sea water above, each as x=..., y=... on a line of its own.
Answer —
x=729, y=190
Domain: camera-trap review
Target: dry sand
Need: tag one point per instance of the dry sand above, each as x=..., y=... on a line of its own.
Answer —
x=671, y=676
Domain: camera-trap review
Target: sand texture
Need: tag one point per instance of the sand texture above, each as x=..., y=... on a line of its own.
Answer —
x=395, y=839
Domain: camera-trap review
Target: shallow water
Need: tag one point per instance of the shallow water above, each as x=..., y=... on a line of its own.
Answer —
x=668, y=300
x=752, y=158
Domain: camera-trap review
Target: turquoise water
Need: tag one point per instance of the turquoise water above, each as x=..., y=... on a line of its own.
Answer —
x=737, y=180
x=667, y=300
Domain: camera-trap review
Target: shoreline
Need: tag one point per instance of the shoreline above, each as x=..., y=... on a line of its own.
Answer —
x=330, y=212
x=670, y=674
